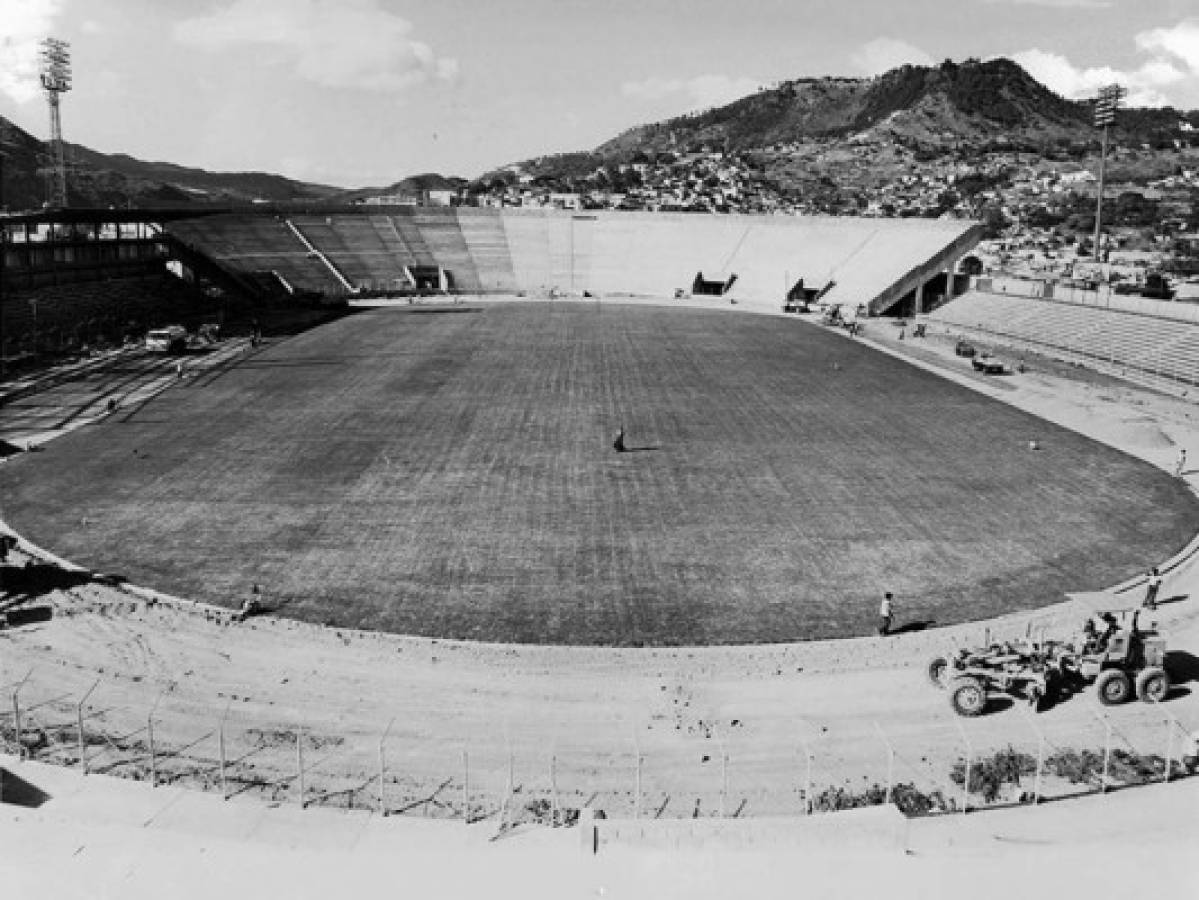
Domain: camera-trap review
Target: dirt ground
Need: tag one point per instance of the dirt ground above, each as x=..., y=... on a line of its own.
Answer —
x=167, y=688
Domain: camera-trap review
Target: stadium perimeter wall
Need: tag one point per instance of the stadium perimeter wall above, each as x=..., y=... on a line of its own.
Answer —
x=540, y=251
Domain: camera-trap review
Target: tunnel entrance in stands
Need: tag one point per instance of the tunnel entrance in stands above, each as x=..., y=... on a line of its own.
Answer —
x=936, y=293
x=432, y=278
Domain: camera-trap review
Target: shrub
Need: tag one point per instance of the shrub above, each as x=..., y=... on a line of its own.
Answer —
x=989, y=775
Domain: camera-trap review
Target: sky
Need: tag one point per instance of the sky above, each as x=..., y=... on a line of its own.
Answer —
x=365, y=92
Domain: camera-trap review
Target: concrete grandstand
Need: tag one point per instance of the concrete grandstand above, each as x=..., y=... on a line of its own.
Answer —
x=870, y=262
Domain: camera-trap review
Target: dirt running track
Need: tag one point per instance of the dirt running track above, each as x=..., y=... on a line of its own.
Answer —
x=723, y=727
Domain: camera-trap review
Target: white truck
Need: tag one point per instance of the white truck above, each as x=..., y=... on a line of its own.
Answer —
x=171, y=339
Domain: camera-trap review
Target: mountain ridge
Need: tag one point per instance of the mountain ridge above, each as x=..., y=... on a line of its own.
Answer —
x=928, y=111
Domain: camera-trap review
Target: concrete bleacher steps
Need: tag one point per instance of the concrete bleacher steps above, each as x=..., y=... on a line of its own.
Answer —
x=1164, y=348
x=413, y=239
x=487, y=244
x=353, y=245
x=258, y=243
x=442, y=235
x=603, y=252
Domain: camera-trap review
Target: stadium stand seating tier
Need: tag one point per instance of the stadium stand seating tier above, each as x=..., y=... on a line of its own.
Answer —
x=1166, y=348
x=539, y=251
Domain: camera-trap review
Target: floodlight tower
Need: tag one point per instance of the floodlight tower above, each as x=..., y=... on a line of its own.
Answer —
x=56, y=80
x=1106, y=105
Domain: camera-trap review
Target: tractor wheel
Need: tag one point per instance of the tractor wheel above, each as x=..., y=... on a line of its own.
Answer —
x=1153, y=684
x=1113, y=687
x=937, y=667
x=967, y=696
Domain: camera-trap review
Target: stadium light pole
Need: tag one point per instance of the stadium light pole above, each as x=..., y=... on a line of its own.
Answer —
x=1105, y=115
x=56, y=81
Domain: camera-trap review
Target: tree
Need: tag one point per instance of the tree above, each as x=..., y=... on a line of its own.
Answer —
x=994, y=221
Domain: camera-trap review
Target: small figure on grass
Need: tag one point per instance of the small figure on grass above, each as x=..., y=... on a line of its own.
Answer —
x=1181, y=465
x=251, y=606
x=618, y=445
x=886, y=613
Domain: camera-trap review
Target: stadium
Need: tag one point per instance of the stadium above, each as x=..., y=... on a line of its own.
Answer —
x=446, y=471
x=472, y=607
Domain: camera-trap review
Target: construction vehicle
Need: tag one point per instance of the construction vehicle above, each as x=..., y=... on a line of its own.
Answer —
x=1122, y=660
x=1024, y=669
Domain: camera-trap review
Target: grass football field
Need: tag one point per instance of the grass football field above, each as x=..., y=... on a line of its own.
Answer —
x=450, y=472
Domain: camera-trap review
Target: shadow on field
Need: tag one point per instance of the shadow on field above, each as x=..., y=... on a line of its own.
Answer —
x=997, y=703
x=37, y=579
x=1182, y=666
x=921, y=625
x=1177, y=598
x=16, y=791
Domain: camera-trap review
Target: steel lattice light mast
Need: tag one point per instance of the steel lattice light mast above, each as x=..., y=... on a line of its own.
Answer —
x=56, y=80
x=1106, y=105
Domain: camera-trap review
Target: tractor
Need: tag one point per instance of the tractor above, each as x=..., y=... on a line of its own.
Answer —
x=1125, y=661
x=1033, y=672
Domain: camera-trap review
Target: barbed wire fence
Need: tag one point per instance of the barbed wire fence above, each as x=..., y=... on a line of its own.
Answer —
x=1009, y=756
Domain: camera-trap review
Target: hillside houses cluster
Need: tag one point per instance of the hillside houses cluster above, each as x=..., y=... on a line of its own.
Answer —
x=1041, y=209
x=706, y=182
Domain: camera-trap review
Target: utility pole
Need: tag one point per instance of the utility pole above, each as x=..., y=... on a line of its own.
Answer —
x=1106, y=105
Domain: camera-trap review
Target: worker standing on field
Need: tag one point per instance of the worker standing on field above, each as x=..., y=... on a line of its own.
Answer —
x=1153, y=584
x=886, y=611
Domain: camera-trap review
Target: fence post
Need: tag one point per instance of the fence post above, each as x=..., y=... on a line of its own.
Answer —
x=150, y=738
x=1036, y=791
x=724, y=781
x=16, y=717
x=383, y=772
x=807, y=788
x=465, y=787
x=1169, y=749
x=16, y=713
x=554, y=808
x=890, y=762
x=79, y=725
x=636, y=780
x=300, y=763
x=150, y=741
x=966, y=774
x=1107, y=749
x=1170, y=723
x=509, y=789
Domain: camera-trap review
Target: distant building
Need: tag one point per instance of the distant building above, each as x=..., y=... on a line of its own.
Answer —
x=392, y=200
x=439, y=197
x=565, y=201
